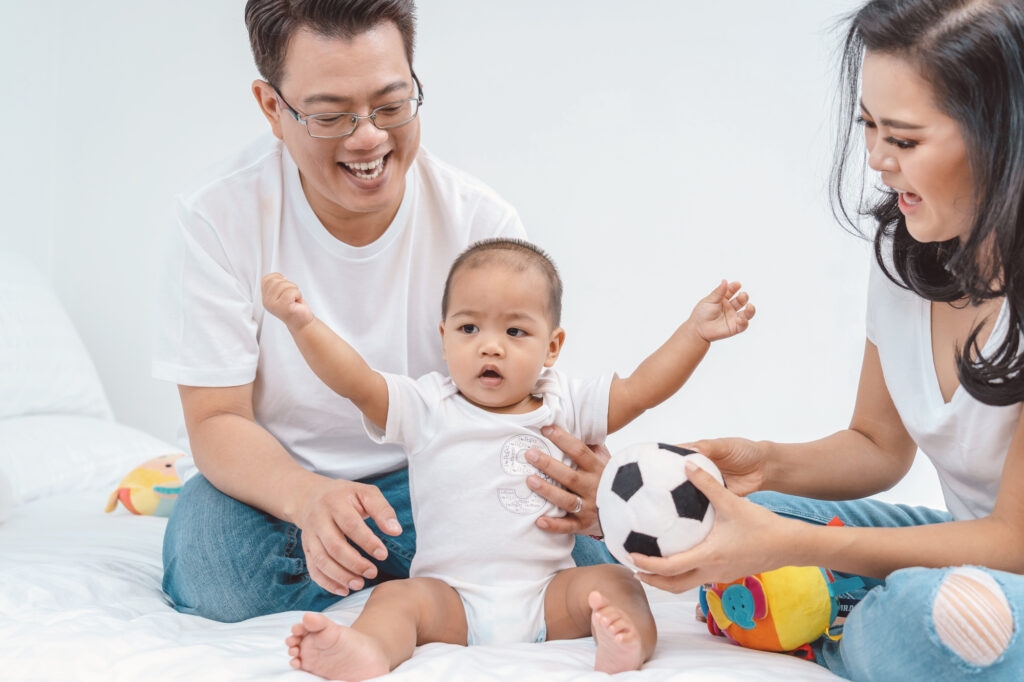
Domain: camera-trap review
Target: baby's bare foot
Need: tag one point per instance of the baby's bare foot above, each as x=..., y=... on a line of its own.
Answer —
x=320, y=646
x=618, y=643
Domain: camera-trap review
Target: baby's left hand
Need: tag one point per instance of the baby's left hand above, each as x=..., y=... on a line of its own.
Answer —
x=725, y=312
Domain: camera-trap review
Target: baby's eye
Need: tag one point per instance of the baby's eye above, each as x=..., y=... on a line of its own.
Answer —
x=516, y=331
x=469, y=329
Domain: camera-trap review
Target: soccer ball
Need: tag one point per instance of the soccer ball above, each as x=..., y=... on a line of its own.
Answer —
x=647, y=505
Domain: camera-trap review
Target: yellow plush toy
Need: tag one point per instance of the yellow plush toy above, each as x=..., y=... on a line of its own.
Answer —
x=781, y=610
x=149, y=490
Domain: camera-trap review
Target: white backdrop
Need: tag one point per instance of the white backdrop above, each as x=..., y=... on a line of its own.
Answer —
x=653, y=147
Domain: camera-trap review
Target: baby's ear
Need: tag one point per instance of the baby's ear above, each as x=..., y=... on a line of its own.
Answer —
x=440, y=328
x=555, y=346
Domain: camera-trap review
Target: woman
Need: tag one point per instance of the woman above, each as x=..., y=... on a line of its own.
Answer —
x=942, y=105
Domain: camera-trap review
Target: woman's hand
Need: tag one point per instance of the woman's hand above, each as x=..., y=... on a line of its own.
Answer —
x=580, y=484
x=743, y=462
x=745, y=539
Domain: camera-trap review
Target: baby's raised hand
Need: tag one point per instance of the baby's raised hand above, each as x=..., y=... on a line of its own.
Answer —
x=284, y=301
x=724, y=312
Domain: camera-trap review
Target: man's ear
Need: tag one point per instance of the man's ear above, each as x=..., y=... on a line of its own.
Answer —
x=269, y=105
x=555, y=346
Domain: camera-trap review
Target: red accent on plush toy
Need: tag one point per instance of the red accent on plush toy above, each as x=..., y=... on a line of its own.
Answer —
x=150, y=489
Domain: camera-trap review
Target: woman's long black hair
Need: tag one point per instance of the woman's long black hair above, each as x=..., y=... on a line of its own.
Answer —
x=972, y=54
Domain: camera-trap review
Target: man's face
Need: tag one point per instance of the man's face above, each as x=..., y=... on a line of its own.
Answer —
x=324, y=75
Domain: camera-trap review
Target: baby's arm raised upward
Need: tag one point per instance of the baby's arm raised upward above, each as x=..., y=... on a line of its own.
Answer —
x=723, y=313
x=337, y=363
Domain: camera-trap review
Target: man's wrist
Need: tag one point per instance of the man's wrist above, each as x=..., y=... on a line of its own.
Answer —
x=298, y=488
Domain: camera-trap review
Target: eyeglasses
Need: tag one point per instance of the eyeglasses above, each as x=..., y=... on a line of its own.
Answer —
x=342, y=124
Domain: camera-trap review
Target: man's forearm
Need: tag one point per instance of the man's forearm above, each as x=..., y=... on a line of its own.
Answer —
x=243, y=460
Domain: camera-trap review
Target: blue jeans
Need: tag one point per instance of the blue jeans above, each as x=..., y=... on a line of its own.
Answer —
x=890, y=634
x=228, y=561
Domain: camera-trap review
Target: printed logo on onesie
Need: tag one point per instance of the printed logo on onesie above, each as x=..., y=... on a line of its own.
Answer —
x=520, y=499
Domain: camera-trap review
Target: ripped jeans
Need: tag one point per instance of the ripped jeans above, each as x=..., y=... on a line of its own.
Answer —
x=891, y=634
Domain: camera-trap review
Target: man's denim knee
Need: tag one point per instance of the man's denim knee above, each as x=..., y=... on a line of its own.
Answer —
x=227, y=561
x=590, y=552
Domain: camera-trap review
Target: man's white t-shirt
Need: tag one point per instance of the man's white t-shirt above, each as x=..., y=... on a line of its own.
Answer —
x=252, y=218
x=965, y=439
x=475, y=517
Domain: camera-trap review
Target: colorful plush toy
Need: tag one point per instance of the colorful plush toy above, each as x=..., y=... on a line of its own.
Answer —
x=149, y=490
x=780, y=610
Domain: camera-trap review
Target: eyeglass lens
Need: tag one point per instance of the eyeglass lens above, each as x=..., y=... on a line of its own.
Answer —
x=387, y=116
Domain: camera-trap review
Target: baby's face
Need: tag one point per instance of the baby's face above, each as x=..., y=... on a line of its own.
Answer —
x=498, y=335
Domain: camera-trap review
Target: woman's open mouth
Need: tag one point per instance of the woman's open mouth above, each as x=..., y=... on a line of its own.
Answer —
x=908, y=202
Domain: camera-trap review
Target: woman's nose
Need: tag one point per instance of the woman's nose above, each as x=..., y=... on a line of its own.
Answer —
x=880, y=157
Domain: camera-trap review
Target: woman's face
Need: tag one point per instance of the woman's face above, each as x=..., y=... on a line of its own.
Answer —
x=917, y=148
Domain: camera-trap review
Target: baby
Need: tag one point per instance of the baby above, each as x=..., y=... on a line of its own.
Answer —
x=483, y=571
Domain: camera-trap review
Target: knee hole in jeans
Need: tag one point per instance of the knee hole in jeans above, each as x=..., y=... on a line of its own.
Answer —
x=972, y=616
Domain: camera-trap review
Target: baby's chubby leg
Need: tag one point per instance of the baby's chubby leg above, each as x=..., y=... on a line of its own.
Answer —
x=398, y=616
x=608, y=602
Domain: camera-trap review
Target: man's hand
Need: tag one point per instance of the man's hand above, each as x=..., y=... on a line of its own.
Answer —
x=723, y=313
x=283, y=300
x=581, y=481
x=332, y=520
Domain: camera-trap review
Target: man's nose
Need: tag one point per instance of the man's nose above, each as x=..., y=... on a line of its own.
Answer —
x=366, y=136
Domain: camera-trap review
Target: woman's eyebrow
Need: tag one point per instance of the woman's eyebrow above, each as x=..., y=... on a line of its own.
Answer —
x=891, y=122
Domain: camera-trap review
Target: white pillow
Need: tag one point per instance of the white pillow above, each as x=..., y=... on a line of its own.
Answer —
x=49, y=454
x=44, y=367
x=6, y=498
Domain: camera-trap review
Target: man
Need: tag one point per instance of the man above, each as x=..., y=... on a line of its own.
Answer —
x=294, y=507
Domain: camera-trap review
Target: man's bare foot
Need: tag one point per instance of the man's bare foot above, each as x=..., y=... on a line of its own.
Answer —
x=618, y=643
x=320, y=646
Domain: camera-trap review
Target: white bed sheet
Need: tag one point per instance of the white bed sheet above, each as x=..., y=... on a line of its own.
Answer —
x=80, y=599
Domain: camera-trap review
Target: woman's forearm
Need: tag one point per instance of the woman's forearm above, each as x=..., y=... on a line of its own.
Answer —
x=843, y=466
x=877, y=552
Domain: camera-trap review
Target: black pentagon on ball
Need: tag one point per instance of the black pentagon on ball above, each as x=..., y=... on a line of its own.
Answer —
x=627, y=480
x=676, y=449
x=690, y=502
x=641, y=544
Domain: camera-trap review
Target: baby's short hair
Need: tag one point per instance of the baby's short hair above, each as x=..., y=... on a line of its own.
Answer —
x=516, y=253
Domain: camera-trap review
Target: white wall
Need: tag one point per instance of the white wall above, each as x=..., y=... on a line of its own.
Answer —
x=652, y=147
